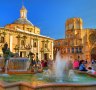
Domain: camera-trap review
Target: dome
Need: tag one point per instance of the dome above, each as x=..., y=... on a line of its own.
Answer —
x=23, y=17
x=23, y=21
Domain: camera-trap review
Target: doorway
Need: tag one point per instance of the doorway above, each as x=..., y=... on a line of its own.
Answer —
x=23, y=54
x=45, y=56
x=20, y=54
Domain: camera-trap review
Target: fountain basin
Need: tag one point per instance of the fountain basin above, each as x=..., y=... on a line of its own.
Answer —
x=15, y=64
x=37, y=84
x=65, y=86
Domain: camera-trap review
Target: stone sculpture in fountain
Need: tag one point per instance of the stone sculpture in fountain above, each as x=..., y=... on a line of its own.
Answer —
x=11, y=63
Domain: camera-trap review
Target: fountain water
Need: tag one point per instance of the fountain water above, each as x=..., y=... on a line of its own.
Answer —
x=60, y=69
x=6, y=67
x=2, y=65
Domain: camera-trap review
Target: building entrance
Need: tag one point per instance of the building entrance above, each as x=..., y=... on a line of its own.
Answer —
x=45, y=56
x=22, y=54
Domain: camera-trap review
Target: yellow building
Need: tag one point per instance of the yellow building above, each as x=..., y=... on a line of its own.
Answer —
x=78, y=43
x=22, y=37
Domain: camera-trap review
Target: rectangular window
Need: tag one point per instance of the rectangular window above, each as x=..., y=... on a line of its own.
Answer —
x=80, y=50
x=72, y=50
x=77, y=50
x=68, y=50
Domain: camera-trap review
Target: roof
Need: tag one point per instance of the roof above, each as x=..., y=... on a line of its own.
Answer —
x=27, y=32
x=23, y=21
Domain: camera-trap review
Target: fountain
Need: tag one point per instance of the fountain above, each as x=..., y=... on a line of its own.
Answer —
x=14, y=65
x=11, y=62
x=60, y=69
x=2, y=64
x=18, y=64
x=59, y=76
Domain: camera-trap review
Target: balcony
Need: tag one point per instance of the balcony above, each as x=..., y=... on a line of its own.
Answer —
x=23, y=47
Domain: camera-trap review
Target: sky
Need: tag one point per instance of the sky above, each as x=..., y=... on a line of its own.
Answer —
x=50, y=15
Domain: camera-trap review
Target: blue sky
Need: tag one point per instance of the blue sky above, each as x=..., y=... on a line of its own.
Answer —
x=50, y=15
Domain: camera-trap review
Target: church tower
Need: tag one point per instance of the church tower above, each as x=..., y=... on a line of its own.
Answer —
x=73, y=30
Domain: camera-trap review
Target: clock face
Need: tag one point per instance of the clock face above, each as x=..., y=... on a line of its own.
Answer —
x=92, y=38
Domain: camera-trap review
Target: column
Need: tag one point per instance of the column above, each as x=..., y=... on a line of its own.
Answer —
x=74, y=23
x=74, y=49
x=38, y=49
x=66, y=50
x=52, y=51
x=80, y=25
x=11, y=41
x=32, y=45
x=42, y=55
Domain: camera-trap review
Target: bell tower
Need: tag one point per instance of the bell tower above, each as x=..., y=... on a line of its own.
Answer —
x=73, y=27
x=73, y=30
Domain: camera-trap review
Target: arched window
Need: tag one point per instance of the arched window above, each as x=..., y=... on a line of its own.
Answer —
x=45, y=45
x=2, y=39
x=22, y=42
x=77, y=25
x=35, y=44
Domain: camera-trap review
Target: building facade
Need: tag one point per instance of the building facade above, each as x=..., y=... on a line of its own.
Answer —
x=22, y=37
x=78, y=43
